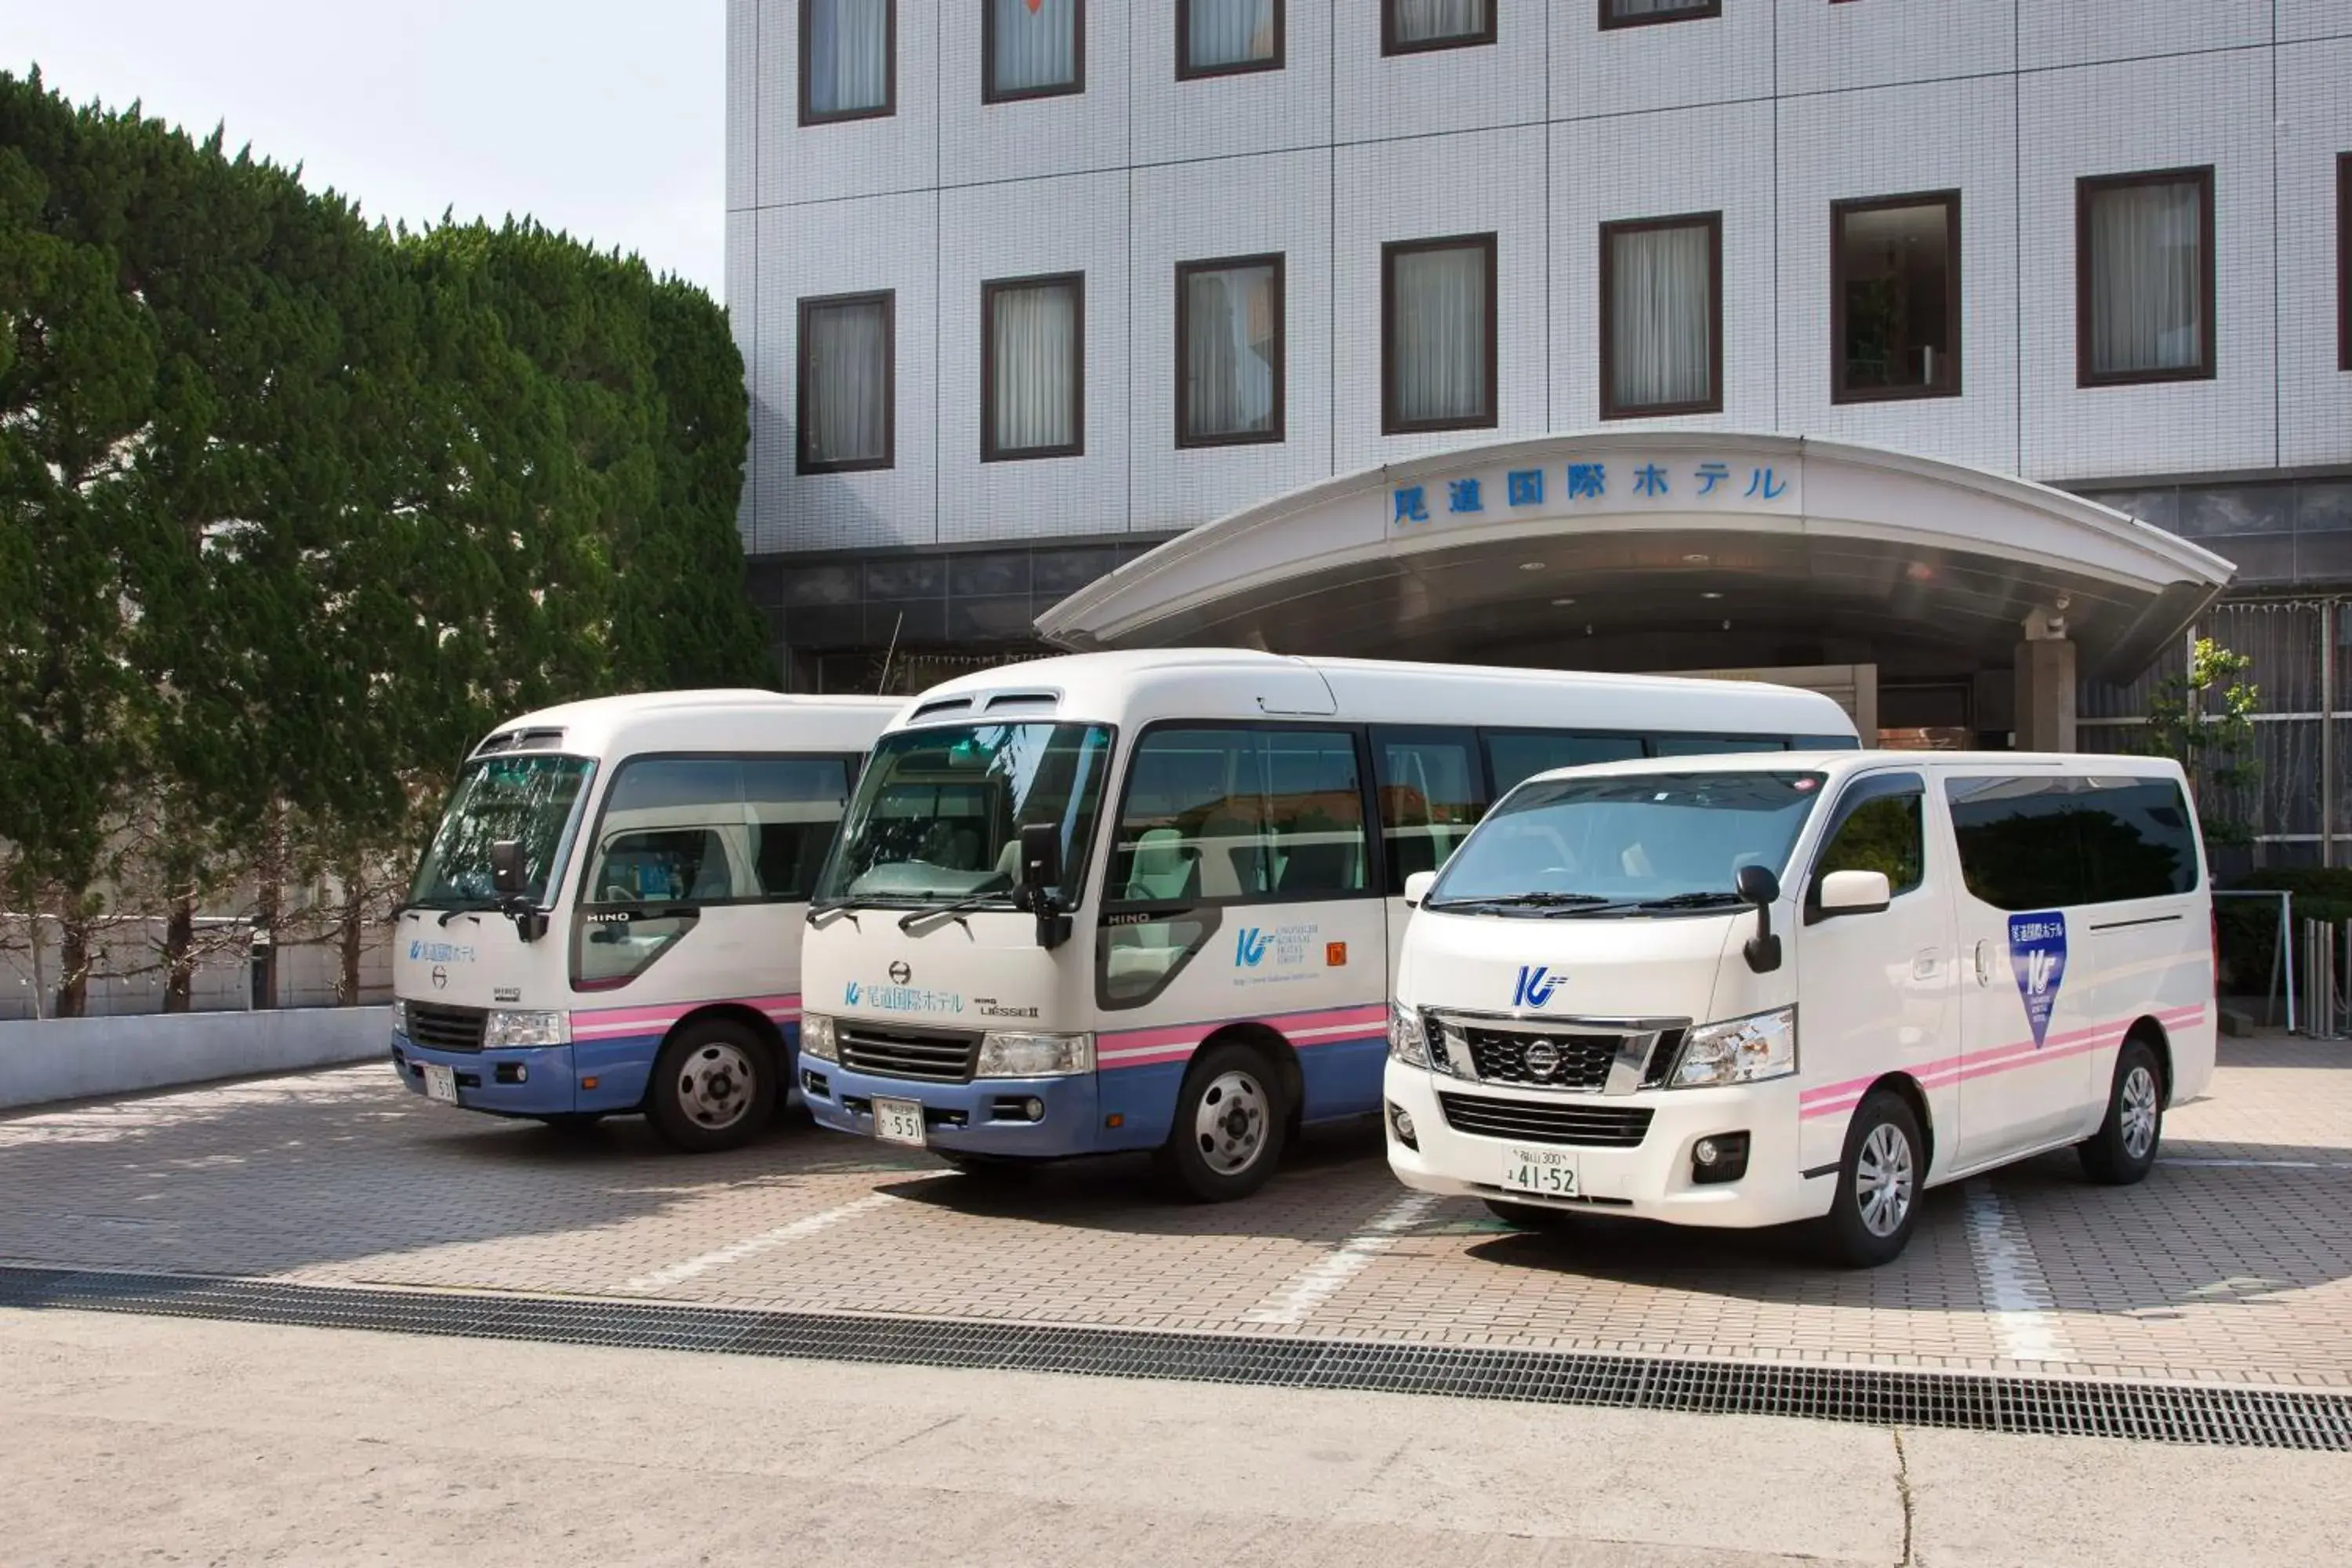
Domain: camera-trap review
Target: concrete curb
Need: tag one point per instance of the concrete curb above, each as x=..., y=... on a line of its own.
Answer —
x=83, y=1059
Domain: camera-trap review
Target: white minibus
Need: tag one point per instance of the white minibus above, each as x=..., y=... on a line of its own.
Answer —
x=1147, y=900
x=1747, y=991
x=609, y=918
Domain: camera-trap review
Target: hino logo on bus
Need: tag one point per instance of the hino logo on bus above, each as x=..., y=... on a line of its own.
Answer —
x=1536, y=985
x=900, y=973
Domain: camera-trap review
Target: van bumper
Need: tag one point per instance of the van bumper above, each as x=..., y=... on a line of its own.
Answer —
x=1653, y=1179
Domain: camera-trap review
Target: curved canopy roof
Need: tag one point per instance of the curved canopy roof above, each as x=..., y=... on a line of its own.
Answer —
x=1659, y=550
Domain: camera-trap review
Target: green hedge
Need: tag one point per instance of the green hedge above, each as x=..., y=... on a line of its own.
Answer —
x=2249, y=926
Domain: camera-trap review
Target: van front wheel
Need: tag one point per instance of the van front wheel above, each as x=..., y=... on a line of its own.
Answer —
x=1878, y=1183
x=2124, y=1148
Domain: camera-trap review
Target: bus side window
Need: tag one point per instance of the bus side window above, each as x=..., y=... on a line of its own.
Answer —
x=1430, y=796
x=793, y=807
x=1513, y=756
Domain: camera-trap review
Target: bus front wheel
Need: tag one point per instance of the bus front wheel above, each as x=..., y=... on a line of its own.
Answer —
x=714, y=1086
x=1228, y=1132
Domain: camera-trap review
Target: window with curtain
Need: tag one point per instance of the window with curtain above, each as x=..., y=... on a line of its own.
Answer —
x=1642, y=13
x=1662, y=316
x=1032, y=48
x=1226, y=37
x=1437, y=334
x=1033, y=382
x=2343, y=260
x=847, y=420
x=2144, y=260
x=849, y=67
x=1410, y=26
x=1894, y=293
x=1229, y=350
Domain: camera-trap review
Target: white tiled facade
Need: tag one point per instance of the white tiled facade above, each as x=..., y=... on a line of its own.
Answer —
x=1766, y=113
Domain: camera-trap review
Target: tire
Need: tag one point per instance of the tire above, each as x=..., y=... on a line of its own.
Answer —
x=1531, y=1216
x=2123, y=1150
x=1878, y=1183
x=1230, y=1127
x=714, y=1086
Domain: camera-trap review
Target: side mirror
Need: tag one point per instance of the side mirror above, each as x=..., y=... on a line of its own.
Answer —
x=1416, y=888
x=1758, y=886
x=1040, y=882
x=1854, y=893
x=506, y=868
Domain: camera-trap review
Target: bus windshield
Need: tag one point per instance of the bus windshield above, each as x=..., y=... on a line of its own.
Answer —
x=528, y=798
x=940, y=812
x=1626, y=845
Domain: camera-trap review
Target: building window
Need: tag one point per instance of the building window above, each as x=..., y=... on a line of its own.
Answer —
x=1032, y=48
x=1437, y=334
x=1032, y=375
x=1895, y=297
x=1643, y=12
x=2343, y=259
x=1229, y=350
x=1662, y=316
x=849, y=59
x=2143, y=278
x=847, y=403
x=1410, y=26
x=1228, y=37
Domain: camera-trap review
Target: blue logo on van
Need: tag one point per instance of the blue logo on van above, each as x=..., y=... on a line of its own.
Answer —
x=1537, y=982
x=1249, y=946
x=2037, y=956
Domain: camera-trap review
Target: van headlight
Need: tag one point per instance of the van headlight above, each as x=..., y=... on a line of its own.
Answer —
x=1407, y=1042
x=1739, y=1050
x=504, y=1030
x=816, y=1038
x=1007, y=1052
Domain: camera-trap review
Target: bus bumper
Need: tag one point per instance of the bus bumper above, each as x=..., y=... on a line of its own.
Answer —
x=535, y=1081
x=1656, y=1180
x=986, y=1116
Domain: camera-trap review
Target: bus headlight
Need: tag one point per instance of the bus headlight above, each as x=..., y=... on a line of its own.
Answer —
x=1005, y=1053
x=816, y=1038
x=1407, y=1042
x=399, y=1015
x=1739, y=1050
x=503, y=1030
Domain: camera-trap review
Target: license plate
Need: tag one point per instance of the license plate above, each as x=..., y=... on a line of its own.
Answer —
x=440, y=1083
x=1550, y=1173
x=898, y=1121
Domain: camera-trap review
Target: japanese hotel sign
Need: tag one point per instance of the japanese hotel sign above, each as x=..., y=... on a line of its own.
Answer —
x=1613, y=485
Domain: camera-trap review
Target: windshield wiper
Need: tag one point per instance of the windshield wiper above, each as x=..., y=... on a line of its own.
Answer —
x=1523, y=901
x=824, y=914
x=954, y=912
x=1690, y=901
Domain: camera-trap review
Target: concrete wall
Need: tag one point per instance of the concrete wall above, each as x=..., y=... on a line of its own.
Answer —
x=1769, y=114
x=79, y=1058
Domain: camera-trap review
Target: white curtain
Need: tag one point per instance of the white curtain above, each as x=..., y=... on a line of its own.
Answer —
x=1624, y=10
x=1443, y=335
x=1036, y=44
x=1228, y=352
x=1661, y=317
x=1035, y=355
x=1422, y=21
x=2148, y=274
x=1229, y=33
x=849, y=55
x=848, y=420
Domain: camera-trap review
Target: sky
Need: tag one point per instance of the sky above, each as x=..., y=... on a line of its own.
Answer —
x=602, y=117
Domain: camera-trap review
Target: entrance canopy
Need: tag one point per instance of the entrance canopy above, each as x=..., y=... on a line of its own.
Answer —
x=1664, y=550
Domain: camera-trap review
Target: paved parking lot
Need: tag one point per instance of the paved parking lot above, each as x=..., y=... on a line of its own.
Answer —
x=2233, y=1262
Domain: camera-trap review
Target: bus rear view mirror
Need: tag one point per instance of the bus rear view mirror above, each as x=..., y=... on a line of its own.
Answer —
x=1041, y=882
x=506, y=868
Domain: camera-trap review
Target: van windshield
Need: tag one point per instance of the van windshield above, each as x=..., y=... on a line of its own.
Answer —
x=939, y=811
x=1637, y=844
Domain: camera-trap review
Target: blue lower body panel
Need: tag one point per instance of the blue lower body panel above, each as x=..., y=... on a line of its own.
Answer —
x=536, y=1080
x=965, y=1118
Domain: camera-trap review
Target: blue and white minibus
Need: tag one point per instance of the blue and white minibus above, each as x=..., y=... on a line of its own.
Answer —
x=1150, y=901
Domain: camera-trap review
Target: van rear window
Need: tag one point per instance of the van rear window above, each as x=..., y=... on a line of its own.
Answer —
x=2043, y=842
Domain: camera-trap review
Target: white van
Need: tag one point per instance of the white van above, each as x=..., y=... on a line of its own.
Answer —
x=1745, y=991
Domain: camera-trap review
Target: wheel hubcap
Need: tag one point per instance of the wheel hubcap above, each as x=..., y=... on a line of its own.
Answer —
x=1883, y=1180
x=2139, y=1116
x=1231, y=1124
x=715, y=1087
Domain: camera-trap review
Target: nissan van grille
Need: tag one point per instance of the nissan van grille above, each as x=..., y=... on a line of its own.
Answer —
x=925, y=1056
x=1566, y=1056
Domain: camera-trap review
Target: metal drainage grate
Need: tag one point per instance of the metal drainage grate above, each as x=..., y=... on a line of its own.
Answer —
x=2166, y=1413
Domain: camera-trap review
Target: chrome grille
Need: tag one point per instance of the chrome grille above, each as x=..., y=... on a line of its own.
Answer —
x=1563, y=1061
x=1565, y=1055
x=442, y=1028
x=931, y=1056
x=1535, y=1122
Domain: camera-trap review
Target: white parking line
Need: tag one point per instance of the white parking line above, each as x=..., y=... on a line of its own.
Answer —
x=1320, y=1280
x=767, y=1240
x=2017, y=1296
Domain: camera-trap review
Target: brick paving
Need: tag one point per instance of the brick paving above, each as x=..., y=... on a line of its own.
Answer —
x=2232, y=1262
